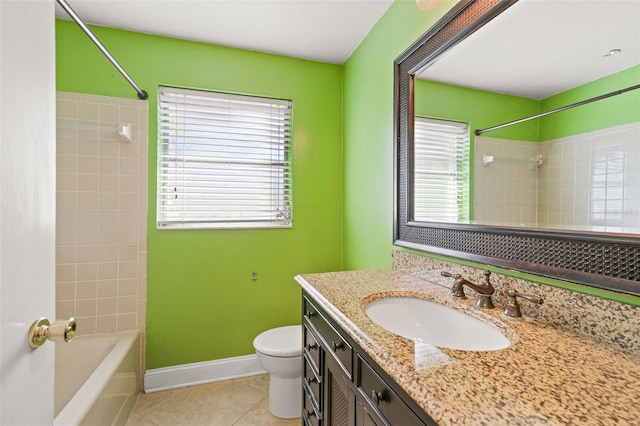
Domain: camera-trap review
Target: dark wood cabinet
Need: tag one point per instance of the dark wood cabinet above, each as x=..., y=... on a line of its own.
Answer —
x=366, y=417
x=373, y=390
x=341, y=386
x=339, y=397
x=311, y=379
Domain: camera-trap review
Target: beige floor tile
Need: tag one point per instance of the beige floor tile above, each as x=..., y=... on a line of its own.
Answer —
x=259, y=415
x=214, y=404
x=238, y=402
x=261, y=381
x=140, y=422
x=147, y=401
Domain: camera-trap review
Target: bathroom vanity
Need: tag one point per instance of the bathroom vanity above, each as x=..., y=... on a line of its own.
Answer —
x=342, y=385
x=358, y=373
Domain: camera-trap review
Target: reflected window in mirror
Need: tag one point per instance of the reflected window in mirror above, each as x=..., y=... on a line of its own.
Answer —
x=441, y=170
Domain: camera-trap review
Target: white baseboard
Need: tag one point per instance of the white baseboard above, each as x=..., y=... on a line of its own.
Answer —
x=201, y=372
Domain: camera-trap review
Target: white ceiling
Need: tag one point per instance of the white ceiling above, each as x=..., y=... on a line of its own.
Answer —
x=320, y=30
x=538, y=48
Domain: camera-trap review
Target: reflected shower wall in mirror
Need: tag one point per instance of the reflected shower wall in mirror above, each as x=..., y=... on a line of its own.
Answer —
x=578, y=169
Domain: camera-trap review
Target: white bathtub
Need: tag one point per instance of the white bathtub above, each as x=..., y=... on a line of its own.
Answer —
x=97, y=379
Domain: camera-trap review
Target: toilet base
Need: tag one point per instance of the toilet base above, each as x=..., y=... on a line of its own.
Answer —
x=285, y=396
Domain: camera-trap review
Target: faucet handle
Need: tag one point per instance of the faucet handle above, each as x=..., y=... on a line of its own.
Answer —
x=450, y=275
x=458, y=284
x=512, y=307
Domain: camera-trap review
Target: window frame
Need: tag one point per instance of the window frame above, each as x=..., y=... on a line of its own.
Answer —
x=272, y=168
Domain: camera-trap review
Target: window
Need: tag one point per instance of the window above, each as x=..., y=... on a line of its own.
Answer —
x=224, y=161
x=441, y=171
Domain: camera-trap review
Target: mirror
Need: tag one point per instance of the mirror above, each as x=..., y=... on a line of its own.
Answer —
x=577, y=170
x=556, y=195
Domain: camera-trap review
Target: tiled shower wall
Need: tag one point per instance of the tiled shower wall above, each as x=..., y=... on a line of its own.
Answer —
x=101, y=211
x=592, y=181
x=589, y=181
x=510, y=170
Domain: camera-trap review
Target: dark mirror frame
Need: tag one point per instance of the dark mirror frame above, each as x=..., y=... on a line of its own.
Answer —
x=606, y=261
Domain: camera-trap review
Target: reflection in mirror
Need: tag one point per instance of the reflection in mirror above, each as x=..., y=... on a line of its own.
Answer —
x=490, y=224
x=441, y=174
x=578, y=169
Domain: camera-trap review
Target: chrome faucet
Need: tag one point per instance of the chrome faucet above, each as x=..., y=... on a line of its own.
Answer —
x=484, y=291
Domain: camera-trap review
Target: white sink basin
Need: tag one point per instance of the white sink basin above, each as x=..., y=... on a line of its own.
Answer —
x=435, y=324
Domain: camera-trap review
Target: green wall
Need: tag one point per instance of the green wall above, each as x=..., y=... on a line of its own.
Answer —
x=481, y=109
x=613, y=111
x=368, y=144
x=368, y=134
x=202, y=303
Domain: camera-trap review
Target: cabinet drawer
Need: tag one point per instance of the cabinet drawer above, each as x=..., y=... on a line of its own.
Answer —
x=311, y=385
x=340, y=349
x=309, y=414
x=336, y=345
x=382, y=398
x=312, y=350
x=309, y=311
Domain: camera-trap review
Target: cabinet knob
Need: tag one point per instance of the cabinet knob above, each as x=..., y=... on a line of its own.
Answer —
x=311, y=380
x=377, y=397
x=309, y=314
x=335, y=346
x=312, y=347
x=311, y=413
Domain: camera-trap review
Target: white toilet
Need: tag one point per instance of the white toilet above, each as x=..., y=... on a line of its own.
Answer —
x=279, y=352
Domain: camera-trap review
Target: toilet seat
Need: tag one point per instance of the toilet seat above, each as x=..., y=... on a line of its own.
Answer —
x=283, y=342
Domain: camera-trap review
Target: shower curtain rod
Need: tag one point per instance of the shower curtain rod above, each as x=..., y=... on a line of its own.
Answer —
x=141, y=93
x=478, y=132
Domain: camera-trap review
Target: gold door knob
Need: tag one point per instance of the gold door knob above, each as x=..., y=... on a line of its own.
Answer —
x=59, y=331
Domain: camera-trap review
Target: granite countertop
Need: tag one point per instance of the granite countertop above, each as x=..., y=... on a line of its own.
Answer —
x=546, y=377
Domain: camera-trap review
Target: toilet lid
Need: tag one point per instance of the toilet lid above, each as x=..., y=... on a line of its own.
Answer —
x=281, y=341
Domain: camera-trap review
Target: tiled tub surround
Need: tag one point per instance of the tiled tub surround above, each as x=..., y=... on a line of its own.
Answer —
x=548, y=376
x=101, y=213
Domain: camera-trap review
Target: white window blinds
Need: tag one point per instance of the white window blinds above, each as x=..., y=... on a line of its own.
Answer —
x=441, y=170
x=224, y=161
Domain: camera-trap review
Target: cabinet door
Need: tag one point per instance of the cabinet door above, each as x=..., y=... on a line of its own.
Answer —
x=339, y=399
x=366, y=418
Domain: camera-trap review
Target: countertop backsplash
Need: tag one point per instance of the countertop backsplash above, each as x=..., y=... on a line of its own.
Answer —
x=609, y=322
